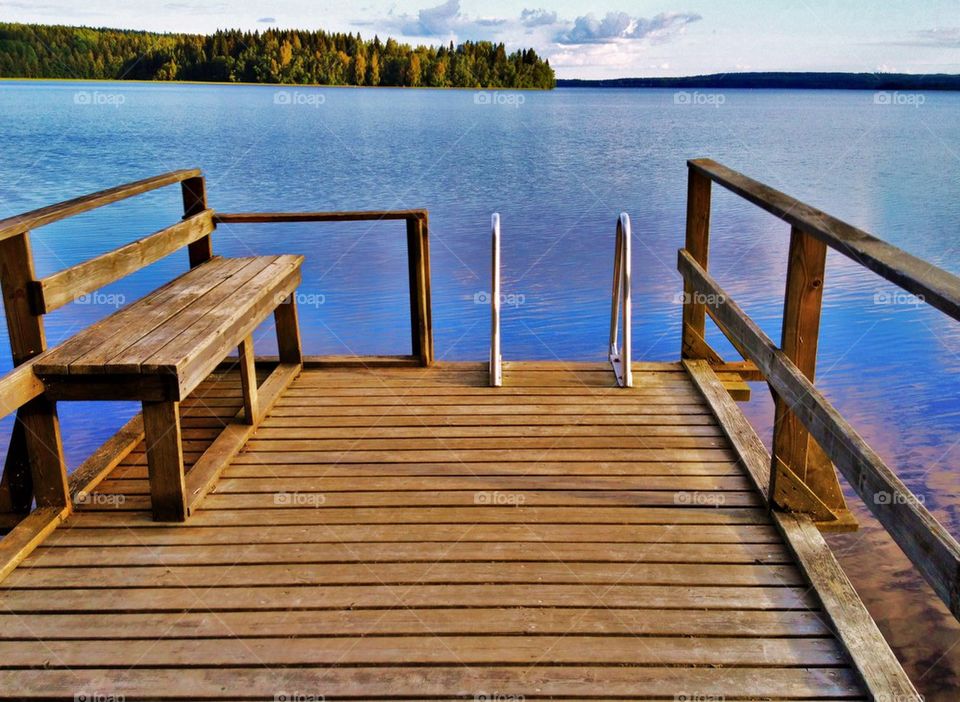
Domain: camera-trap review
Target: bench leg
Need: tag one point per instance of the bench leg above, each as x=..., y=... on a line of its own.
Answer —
x=288, y=331
x=248, y=379
x=168, y=490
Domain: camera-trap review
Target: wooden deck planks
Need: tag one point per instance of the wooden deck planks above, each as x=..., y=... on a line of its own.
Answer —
x=597, y=543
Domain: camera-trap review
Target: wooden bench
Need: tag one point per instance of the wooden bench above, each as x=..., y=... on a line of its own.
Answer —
x=155, y=351
x=160, y=348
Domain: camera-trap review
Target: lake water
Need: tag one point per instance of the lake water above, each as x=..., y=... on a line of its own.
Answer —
x=559, y=167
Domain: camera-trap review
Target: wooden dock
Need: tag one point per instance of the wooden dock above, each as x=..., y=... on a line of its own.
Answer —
x=412, y=532
x=319, y=528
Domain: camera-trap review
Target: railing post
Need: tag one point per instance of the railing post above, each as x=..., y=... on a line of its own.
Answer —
x=36, y=441
x=194, y=202
x=697, y=243
x=802, y=477
x=418, y=259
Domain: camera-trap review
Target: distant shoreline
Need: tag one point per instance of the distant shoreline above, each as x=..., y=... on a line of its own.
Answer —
x=277, y=86
x=720, y=81
x=781, y=81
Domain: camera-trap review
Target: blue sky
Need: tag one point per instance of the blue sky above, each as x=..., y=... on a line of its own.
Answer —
x=595, y=39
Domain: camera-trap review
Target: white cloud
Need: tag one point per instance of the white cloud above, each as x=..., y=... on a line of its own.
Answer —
x=619, y=26
x=447, y=20
x=538, y=18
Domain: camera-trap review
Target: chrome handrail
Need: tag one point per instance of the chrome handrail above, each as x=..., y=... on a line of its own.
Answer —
x=620, y=356
x=496, y=362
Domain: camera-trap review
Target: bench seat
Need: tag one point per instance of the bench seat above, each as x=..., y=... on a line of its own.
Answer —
x=162, y=346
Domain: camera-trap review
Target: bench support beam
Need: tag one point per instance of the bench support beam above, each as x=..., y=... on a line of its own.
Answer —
x=164, y=445
x=36, y=442
x=194, y=202
x=288, y=331
x=248, y=381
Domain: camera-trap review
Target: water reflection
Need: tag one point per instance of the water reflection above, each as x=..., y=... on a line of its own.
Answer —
x=559, y=170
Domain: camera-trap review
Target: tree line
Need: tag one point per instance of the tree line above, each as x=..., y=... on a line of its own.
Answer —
x=271, y=56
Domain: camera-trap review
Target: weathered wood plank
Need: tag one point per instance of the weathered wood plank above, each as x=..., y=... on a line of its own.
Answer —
x=934, y=285
x=313, y=597
x=795, y=453
x=27, y=536
x=205, y=472
x=194, y=194
x=930, y=547
x=161, y=426
x=413, y=574
x=431, y=551
x=101, y=463
x=437, y=681
x=353, y=536
x=439, y=650
x=134, y=321
x=478, y=514
x=870, y=653
x=65, y=286
x=18, y=224
x=419, y=622
x=347, y=216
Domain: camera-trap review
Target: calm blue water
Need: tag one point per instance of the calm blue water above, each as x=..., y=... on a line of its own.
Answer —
x=559, y=167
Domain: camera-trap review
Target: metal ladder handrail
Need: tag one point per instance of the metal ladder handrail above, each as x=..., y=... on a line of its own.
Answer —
x=496, y=361
x=620, y=357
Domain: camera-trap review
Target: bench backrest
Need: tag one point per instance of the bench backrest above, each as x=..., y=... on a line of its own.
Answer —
x=49, y=293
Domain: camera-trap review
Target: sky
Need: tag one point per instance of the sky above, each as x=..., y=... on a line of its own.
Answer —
x=588, y=38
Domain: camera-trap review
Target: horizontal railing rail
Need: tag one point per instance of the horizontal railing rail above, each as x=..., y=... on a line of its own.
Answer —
x=349, y=216
x=418, y=258
x=67, y=285
x=19, y=224
x=937, y=287
x=924, y=540
x=810, y=435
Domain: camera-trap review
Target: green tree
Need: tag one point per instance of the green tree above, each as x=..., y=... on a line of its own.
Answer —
x=414, y=71
x=373, y=77
x=359, y=69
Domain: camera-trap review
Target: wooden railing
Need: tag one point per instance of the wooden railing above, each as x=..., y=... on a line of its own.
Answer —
x=35, y=471
x=809, y=433
x=418, y=259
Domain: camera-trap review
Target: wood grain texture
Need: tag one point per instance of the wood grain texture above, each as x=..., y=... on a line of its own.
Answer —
x=18, y=224
x=934, y=285
x=931, y=548
x=331, y=550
